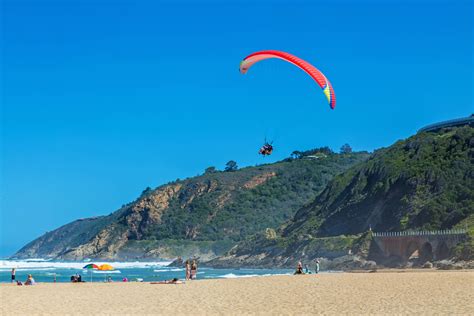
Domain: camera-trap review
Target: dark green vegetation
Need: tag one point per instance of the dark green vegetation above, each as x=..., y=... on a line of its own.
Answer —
x=465, y=251
x=204, y=215
x=425, y=182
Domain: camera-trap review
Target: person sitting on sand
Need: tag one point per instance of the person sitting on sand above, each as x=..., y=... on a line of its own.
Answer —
x=299, y=268
x=194, y=268
x=172, y=281
x=30, y=280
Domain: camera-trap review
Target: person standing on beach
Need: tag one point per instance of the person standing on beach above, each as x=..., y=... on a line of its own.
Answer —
x=193, y=270
x=188, y=270
x=13, y=275
x=316, y=270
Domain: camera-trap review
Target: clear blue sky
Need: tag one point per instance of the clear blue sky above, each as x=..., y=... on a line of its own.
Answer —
x=101, y=99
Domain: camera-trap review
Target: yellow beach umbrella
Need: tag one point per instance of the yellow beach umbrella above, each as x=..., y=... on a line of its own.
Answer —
x=105, y=267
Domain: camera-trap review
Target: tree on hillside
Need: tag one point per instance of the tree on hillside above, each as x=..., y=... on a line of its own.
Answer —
x=209, y=170
x=325, y=151
x=296, y=154
x=231, y=166
x=146, y=191
x=346, y=149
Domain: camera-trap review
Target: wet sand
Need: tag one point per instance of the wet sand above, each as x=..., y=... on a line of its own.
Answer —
x=409, y=292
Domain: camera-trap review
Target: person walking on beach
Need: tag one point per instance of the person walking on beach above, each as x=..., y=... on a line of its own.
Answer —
x=188, y=270
x=13, y=275
x=194, y=268
x=316, y=270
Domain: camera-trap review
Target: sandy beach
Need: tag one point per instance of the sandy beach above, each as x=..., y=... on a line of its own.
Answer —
x=406, y=292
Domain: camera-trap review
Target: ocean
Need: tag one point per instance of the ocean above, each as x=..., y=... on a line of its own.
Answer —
x=61, y=271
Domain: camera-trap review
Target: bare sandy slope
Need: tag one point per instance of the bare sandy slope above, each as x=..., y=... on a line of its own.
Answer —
x=350, y=293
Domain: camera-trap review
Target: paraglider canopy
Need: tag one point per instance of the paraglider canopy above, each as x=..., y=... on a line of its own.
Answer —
x=312, y=71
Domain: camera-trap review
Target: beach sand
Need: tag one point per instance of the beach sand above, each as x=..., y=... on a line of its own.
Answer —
x=408, y=292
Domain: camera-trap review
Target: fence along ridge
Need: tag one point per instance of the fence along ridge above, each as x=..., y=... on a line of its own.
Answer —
x=420, y=233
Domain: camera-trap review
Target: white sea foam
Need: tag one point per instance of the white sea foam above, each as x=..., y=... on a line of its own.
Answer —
x=235, y=276
x=106, y=272
x=37, y=260
x=169, y=270
x=29, y=269
x=41, y=263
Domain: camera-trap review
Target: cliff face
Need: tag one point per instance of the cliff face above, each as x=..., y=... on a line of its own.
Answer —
x=204, y=215
x=425, y=182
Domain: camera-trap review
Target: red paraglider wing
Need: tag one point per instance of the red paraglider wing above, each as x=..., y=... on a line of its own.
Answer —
x=317, y=75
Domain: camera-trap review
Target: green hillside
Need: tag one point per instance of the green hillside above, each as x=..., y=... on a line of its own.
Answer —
x=425, y=182
x=204, y=215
